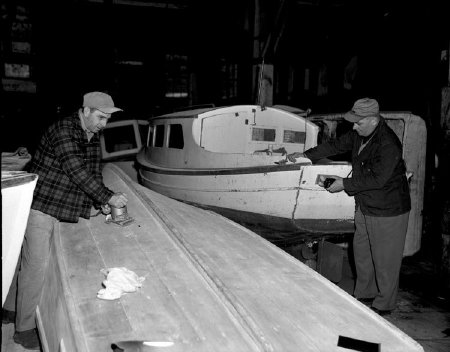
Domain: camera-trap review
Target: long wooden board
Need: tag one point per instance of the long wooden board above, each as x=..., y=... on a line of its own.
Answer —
x=211, y=285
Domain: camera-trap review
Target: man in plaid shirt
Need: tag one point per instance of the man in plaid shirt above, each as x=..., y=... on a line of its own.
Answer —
x=67, y=162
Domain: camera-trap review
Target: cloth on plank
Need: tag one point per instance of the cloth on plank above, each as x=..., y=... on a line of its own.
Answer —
x=118, y=282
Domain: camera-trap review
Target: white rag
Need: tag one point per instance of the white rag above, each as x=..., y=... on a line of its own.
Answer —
x=118, y=282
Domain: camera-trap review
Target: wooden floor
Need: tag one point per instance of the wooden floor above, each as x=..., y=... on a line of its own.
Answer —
x=421, y=312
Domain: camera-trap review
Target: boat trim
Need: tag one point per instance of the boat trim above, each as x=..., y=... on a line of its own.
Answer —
x=273, y=189
x=16, y=178
x=293, y=229
x=216, y=172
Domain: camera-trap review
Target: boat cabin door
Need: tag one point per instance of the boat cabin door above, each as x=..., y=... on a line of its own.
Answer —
x=226, y=133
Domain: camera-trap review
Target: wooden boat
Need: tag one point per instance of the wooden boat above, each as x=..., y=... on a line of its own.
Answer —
x=15, y=161
x=225, y=159
x=17, y=195
x=210, y=285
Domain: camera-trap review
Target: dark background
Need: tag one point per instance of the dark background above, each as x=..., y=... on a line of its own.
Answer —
x=80, y=46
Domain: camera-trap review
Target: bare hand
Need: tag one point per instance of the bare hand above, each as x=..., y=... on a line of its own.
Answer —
x=118, y=200
x=321, y=180
x=293, y=156
x=337, y=185
x=106, y=209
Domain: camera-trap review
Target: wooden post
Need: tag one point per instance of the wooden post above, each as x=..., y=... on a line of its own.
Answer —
x=445, y=96
x=263, y=90
x=256, y=49
x=445, y=108
x=266, y=98
x=444, y=168
x=448, y=59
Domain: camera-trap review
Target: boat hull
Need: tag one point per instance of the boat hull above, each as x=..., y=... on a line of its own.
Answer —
x=210, y=285
x=285, y=199
x=17, y=195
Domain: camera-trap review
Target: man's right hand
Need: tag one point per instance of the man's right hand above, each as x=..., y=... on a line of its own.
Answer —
x=293, y=156
x=118, y=200
x=106, y=209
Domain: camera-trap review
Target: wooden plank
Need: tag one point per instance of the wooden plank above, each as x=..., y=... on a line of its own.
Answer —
x=54, y=318
x=211, y=285
x=171, y=290
x=223, y=259
x=234, y=307
x=414, y=154
x=161, y=303
x=82, y=259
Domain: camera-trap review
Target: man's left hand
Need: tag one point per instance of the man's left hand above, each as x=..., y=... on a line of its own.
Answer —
x=293, y=156
x=337, y=185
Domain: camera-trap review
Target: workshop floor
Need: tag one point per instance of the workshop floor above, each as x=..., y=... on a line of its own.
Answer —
x=422, y=312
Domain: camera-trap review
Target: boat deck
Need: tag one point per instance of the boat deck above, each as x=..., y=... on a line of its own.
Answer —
x=211, y=285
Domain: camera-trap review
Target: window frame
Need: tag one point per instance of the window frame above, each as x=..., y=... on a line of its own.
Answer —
x=169, y=134
x=121, y=153
x=164, y=141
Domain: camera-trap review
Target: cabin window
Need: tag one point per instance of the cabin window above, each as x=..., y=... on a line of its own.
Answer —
x=176, y=136
x=294, y=137
x=143, y=132
x=159, y=135
x=150, y=136
x=119, y=138
x=263, y=134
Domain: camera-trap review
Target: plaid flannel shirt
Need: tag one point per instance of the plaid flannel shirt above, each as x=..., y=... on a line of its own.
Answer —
x=68, y=166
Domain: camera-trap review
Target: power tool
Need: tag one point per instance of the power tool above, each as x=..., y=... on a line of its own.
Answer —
x=119, y=216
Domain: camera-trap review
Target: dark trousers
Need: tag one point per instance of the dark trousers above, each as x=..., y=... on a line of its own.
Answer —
x=378, y=246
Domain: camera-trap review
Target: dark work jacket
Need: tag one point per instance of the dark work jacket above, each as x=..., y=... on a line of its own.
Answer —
x=378, y=180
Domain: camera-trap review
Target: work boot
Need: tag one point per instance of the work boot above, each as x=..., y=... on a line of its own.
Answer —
x=8, y=316
x=382, y=312
x=366, y=301
x=29, y=339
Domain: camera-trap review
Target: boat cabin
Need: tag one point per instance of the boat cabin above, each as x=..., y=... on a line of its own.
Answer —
x=238, y=133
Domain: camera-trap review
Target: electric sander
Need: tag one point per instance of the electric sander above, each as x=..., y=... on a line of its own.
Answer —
x=119, y=216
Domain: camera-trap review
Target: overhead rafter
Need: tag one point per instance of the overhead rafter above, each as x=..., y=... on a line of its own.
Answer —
x=173, y=4
x=330, y=3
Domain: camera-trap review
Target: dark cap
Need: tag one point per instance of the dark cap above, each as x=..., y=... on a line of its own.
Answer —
x=100, y=101
x=361, y=109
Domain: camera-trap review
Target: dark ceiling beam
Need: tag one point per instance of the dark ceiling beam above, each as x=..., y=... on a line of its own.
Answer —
x=174, y=4
x=330, y=3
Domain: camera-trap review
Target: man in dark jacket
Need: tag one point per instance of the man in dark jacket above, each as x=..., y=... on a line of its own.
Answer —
x=70, y=182
x=381, y=192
